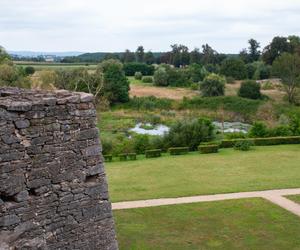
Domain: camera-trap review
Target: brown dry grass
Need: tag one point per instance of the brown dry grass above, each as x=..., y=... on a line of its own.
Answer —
x=161, y=92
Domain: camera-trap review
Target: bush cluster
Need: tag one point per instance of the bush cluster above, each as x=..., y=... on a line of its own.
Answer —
x=133, y=67
x=250, y=89
x=147, y=79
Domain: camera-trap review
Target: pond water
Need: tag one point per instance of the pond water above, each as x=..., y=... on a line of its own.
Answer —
x=155, y=130
x=232, y=127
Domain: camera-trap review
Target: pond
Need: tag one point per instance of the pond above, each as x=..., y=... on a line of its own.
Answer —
x=233, y=127
x=149, y=129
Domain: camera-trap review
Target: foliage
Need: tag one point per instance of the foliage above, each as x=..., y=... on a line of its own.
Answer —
x=161, y=77
x=29, y=70
x=197, y=72
x=131, y=68
x=10, y=75
x=230, y=79
x=213, y=85
x=141, y=143
x=208, y=148
x=287, y=67
x=234, y=67
x=190, y=133
x=250, y=89
x=138, y=75
x=259, y=129
x=153, y=153
x=149, y=103
x=147, y=79
x=4, y=57
x=243, y=145
x=195, y=86
x=178, y=150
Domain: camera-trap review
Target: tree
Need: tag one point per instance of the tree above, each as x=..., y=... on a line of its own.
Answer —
x=140, y=54
x=149, y=58
x=209, y=55
x=250, y=89
x=3, y=55
x=287, y=67
x=197, y=72
x=180, y=55
x=234, y=67
x=128, y=56
x=254, y=53
x=195, y=56
x=29, y=70
x=115, y=83
x=277, y=47
x=213, y=85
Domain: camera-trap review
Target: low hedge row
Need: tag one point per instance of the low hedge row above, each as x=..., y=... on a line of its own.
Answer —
x=263, y=141
x=178, y=150
x=153, y=153
x=208, y=149
x=122, y=157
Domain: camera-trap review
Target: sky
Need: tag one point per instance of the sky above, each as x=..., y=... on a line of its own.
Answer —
x=116, y=25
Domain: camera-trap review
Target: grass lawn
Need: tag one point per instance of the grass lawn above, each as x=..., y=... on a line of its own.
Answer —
x=263, y=168
x=295, y=198
x=238, y=224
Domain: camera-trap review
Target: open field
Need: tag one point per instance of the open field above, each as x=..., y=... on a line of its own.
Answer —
x=161, y=92
x=236, y=224
x=272, y=167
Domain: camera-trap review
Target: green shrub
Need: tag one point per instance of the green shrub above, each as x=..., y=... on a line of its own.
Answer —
x=235, y=135
x=132, y=156
x=138, y=75
x=230, y=79
x=107, y=146
x=259, y=129
x=282, y=130
x=189, y=133
x=213, y=85
x=243, y=145
x=208, y=149
x=235, y=68
x=147, y=79
x=108, y=158
x=131, y=68
x=153, y=153
x=122, y=157
x=148, y=103
x=250, y=89
x=141, y=143
x=195, y=86
x=161, y=77
x=29, y=70
x=178, y=150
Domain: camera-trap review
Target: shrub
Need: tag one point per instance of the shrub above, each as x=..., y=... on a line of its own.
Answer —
x=107, y=146
x=132, y=156
x=108, y=158
x=208, y=149
x=133, y=67
x=230, y=79
x=235, y=68
x=178, y=150
x=149, y=103
x=259, y=129
x=189, y=133
x=147, y=79
x=122, y=157
x=161, y=77
x=282, y=130
x=235, y=135
x=197, y=72
x=250, y=89
x=243, y=145
x=141, y=143
x=138, y=75
x=153, y=153
x=195, y=86
x=29, y=70
x=213, y=85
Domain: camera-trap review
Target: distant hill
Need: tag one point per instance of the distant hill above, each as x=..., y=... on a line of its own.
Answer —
x=39, y=53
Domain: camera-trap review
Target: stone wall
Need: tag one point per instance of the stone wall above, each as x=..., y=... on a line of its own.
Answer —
x=53, y=190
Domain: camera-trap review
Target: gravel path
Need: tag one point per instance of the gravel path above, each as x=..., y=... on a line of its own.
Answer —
x=274, y=196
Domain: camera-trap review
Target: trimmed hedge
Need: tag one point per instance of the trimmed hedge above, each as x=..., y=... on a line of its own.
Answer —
x=107, y=157
x=153, y=153
x=178, y=150
x=132, y=156
x=123, y=157
x=208, y=149
x=263, y=141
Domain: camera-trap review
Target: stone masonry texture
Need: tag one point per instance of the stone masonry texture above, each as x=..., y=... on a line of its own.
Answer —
x=53, y=189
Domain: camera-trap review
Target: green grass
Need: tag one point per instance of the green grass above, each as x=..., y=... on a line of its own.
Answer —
x=56, y=66
x=263, y=168
x=237, y=224
x=295, y=198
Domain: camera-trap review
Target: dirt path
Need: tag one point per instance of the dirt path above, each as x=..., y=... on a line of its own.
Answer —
x=274, y=196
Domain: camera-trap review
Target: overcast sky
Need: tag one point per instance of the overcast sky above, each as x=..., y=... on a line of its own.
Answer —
x=114, y=25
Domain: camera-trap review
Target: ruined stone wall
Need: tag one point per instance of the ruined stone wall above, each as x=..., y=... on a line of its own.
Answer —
x=53, y=190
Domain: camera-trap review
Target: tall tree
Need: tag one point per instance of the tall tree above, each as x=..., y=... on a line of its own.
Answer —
x=140, y=54
x=180, y=55
x=195, y=56
x=287, y=67
x=278, y=46
x=208, y=54
x=149, y=58
x=254, y=52
x=128, y=56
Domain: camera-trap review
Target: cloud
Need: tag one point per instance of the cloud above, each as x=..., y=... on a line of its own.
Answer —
x=100, y=25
